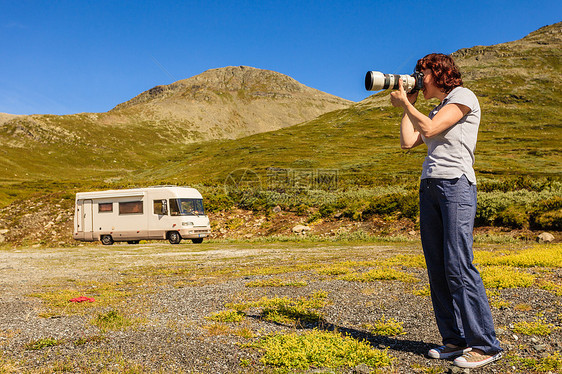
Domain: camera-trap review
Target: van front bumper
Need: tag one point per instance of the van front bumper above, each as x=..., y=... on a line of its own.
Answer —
x=195, y=232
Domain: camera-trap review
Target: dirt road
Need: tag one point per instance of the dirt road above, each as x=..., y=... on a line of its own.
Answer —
x=158, y=300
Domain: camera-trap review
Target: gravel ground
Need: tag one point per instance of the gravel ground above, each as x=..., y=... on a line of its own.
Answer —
x=170, y=290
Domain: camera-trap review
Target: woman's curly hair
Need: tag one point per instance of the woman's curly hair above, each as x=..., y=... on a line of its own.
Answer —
x=445, y=72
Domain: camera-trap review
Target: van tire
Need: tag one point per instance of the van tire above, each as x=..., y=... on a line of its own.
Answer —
x=106, y=240
x=174, y=237
x=197, y=240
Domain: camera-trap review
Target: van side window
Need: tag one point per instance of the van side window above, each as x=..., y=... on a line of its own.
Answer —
x=160, y=207
x=105, y=207
x=131, y=207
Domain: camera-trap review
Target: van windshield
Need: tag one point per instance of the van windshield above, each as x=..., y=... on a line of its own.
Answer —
x=186, y=207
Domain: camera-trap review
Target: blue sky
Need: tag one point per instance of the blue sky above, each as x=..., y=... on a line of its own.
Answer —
x=63, y=57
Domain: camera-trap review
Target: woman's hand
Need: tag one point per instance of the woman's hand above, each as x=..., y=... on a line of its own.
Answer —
x=400, y=98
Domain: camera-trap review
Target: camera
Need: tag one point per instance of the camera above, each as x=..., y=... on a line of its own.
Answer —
x=375, y=81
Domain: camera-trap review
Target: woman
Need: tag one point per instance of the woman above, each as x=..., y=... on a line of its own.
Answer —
x=447, y=210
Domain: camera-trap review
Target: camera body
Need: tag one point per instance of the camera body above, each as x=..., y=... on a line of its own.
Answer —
x=375, y=81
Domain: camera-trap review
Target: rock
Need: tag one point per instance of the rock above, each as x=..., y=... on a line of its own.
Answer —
x=412, y=233
x=300, y=229
x=545, y=237
x=277, y=209
x=361, y=369
x=515, y=337
x=540, y=347
x=338, y=215
x=458, y=370
x=2, y=233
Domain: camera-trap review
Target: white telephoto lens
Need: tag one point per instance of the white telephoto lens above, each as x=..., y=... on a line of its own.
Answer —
x=376, y=81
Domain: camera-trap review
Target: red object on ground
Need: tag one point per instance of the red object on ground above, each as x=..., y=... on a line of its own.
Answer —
x=82, y=299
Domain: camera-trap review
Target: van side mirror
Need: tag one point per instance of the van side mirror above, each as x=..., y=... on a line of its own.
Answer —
x=164, y=207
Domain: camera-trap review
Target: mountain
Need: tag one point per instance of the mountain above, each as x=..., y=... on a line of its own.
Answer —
x=232, y=102
x=220, y=103
x=519, y=87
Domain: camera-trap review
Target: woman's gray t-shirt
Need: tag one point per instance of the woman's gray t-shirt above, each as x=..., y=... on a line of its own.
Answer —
x=450, y=154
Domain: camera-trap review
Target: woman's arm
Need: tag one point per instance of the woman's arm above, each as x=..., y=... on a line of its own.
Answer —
x=445, y=118
x=409, y=137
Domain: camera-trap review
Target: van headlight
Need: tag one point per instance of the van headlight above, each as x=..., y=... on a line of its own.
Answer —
x=187, y=223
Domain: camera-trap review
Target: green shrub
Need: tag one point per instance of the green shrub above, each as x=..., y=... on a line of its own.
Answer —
x=42, y=343
x=513, y=216
x=314, y=217
x=227, y=316
x=424, y=291
x=537, y=327
x=506, y=277
x=216, y=202
x=336, y=269
x=547, y=214
x=384, y=273
x=551, y=363
x=545, y=255
x=319, y=349
x=112, y=320
x=386, y=327
x=327, y=210
x=514, y=184
x=517, y=203
x=491, y=206
x=302, y=210
x=384, y=205
x=401, y=204
x=287, y=310
x=548, y=221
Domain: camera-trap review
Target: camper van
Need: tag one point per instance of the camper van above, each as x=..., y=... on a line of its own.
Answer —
x=163, y=212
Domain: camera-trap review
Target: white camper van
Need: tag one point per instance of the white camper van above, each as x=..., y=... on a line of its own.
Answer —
x=164, y=212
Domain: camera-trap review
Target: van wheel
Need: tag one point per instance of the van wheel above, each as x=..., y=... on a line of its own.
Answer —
x=197, y=240
x=106, y=240
x=174, y=237
x=133, y=242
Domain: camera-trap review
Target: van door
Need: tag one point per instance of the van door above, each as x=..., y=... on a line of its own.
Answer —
x=88, y=220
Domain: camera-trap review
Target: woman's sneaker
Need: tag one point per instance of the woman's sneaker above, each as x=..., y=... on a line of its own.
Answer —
x=444, y=352
x=474, y=359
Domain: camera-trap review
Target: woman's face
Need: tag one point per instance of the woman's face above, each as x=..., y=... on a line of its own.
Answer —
x=429, y=89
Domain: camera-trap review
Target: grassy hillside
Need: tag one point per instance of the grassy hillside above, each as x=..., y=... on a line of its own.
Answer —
x=220, y=103
x=519, y=88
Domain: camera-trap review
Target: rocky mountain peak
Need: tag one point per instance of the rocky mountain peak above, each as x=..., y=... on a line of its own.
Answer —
x=242, y=81
x=234, y=78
